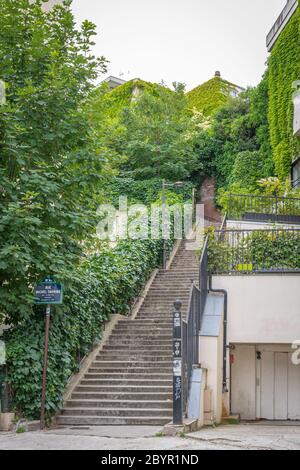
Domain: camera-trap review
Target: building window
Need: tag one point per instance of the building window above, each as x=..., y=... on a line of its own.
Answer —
x=296, y=173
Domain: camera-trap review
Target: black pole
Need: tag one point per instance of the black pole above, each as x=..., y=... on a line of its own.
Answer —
x=177, y=365
x=43, y=401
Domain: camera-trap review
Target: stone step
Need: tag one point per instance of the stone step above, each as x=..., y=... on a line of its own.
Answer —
x=126, y=382
x=136, y=322
x=121, y=395
x=135, y=350
x=161, y=302
x=146, y=368
x=112, y=421
x=144, y=327
x=138, y=342
x=139, y=335
x=129, y=356
x=158, y=404
x=124, y=388
x=126, y=365
x=131, y=376
x=115, y=412
x=171, y=288
x=135, y=347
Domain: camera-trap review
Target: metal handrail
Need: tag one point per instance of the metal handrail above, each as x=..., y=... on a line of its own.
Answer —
x=296, y=182
x=190, y=340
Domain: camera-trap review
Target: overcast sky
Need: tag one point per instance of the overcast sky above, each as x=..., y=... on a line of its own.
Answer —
x=182, y=40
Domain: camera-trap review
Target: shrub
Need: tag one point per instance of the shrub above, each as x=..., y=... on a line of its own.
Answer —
x=248, y=168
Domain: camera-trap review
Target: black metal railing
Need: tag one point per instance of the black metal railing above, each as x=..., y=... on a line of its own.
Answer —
x=203, y=280
x=191, y=329
x=185, y=352
x=296, y=183
x=254, y=251
x=274, y=209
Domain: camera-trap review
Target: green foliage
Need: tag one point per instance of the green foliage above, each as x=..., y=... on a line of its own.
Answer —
x=113, y=102
x=144, y=191
x=240, y=139
x=233, y=132
x=259, y=117
x=210, y=96
x=159, y=137
x=106, y=283
x=48, y=163
x=284, y=69
x=247, y=169
x=223, y=196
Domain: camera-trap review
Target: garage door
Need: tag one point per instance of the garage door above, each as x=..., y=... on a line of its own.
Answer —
x=278, y=383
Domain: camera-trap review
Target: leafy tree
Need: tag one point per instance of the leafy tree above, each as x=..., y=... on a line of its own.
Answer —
x=50, y=167
x=159, y=136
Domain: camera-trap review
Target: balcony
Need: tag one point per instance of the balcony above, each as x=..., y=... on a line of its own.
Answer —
x=264, y=209
x=281, y=23
x=240, y=252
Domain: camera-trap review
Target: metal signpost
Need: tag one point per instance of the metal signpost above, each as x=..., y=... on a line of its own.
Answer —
x=47, y=293
x=177, y=365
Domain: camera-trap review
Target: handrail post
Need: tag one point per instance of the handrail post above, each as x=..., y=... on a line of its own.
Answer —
x=230, y=205
x=177, y=365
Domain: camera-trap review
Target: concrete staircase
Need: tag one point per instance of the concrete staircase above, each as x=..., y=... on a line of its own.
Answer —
x=130, y=382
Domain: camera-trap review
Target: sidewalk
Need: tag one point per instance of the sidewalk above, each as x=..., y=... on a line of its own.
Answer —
x=240, y=437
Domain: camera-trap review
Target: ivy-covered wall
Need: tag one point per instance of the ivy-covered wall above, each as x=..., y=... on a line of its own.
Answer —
x=284, y=69
x=114, y=102
x=210, y=96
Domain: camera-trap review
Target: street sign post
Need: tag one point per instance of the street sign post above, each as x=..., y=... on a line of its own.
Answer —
x=177, y=365
x=47, y=292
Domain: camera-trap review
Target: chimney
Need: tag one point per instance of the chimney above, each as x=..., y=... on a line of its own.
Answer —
x=218, y=74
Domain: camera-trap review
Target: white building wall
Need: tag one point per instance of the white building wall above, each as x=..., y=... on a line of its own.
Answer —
x=262, y=308
x=243, y=393
x=211, y=358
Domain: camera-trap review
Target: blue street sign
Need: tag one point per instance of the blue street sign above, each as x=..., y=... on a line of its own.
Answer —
x=48, y=292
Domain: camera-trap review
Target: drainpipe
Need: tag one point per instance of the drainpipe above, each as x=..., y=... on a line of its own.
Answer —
x=224, y=292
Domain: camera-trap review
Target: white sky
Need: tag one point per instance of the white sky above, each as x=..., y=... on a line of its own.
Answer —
x=182, y=40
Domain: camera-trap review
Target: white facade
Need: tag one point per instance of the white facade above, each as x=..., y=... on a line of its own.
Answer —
x=262, y=308
x=263, y=327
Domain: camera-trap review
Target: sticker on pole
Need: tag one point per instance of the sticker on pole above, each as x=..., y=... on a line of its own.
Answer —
x=48, y=292
x=177, y=368
x=2, y=93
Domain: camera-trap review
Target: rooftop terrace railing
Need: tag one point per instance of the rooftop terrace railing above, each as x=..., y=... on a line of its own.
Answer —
x=273, y=209
x=254, y=251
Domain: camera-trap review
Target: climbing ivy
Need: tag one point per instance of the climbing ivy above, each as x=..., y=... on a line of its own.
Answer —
x=210, y=96
x=284, y=69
